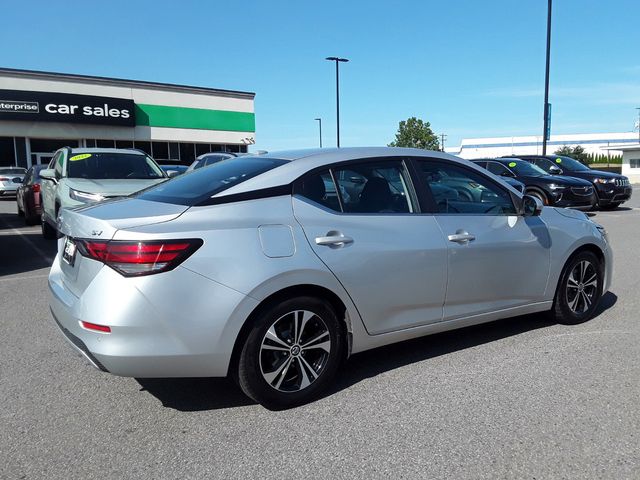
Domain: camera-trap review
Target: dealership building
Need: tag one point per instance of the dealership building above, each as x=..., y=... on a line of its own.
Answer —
x=41, y=112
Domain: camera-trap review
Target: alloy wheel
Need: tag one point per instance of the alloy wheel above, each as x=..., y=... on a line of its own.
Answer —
x=582, y=287
x=294, y=351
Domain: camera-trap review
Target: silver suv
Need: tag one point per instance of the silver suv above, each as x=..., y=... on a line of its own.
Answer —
x=79, y=176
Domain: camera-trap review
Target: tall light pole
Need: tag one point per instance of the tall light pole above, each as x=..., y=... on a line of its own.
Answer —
x=638, y=108
x=337, y=60
x=547, y=107
x=319, y=120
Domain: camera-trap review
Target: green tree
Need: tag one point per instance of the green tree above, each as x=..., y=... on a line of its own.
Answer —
x=576, y=152
x=414, y=133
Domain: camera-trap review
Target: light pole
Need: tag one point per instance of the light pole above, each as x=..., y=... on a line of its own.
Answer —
x=638, y=108
x=319, y=120
x=545, y=133
x=337, y=60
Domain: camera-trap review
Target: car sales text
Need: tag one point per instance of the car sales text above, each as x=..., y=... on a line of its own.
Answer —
x=103, y=111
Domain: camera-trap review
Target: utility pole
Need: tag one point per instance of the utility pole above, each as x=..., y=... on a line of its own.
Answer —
x=638, y=108
x=443, y=137
x=547, y=107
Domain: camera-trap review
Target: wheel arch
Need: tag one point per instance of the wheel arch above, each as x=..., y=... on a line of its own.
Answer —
x=585, y=247
x=311, y=290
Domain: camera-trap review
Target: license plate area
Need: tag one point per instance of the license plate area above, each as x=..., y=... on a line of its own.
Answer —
x=69, y=252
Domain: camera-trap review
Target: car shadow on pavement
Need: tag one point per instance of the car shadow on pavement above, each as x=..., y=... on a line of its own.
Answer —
x=197, y=394
x=22, y=248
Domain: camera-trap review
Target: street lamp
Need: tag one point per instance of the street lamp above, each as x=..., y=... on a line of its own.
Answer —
x=337, y=60
x=547, y=107
x=319, y=120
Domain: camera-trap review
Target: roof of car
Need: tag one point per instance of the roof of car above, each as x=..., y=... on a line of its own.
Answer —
x=302, y=161
x=109, y=150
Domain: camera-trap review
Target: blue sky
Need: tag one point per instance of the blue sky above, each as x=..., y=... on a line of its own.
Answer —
x=471, y=68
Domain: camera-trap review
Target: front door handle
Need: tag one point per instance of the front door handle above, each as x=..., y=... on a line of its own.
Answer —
x=461, y=237
x=334, y=239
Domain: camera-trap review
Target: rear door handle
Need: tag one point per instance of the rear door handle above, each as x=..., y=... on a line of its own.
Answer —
x=461, y=237
x=334, y=240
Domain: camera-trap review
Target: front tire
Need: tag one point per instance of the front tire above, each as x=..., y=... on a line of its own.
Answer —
x=579, y=290
x=539, y=195
x=292, y=353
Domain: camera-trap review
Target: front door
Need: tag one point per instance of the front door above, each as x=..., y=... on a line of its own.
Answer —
x=367, y=230
x=496, y=258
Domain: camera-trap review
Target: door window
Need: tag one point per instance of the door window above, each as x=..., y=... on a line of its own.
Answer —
x=498, y=169
x=458, y=190
x=380, y=187
x=543, y=164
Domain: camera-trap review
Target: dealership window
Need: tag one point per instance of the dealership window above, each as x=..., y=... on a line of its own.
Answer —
x=233, y=148
x=243, y=149
x=124, y=144
x=105, y=143
x=144, y=146
x=202, y=148
x=160, y=150
x=216, y=147
x=7, y=152
x=42, y=145
x=634, y=162
x=90, y=142
x=187, y=153
x=174, y=151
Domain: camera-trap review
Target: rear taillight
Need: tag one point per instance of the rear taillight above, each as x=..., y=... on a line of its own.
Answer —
x=133, y=259
x=4, y=179
x=35, y=187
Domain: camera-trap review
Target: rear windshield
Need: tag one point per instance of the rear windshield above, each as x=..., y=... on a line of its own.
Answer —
x=201, y=184
x=112, y=165
x=13, y=171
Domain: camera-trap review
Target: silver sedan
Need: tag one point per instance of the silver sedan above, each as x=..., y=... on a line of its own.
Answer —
x=274, y=268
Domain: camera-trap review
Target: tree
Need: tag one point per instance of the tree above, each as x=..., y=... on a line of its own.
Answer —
x=414, y=133
x=576, y=152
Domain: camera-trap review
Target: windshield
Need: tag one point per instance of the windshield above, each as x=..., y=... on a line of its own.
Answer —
x=112, y=165
x=570, y=164
x=520, y=167
x=12, y=171
x=199, y=185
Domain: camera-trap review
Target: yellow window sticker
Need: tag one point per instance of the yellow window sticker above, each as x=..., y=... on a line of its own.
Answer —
x=558, y=160
x=75, y=158
x=512, y=164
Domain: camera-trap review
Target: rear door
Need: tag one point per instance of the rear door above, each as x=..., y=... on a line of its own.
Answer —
x=369, y=232
x=496, y=258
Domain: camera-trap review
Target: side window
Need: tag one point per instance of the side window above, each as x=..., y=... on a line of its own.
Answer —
x=497, y=168
x=321, y=189
x=458, y=190
x=381, y=187
x=543, y=164
x=59, y=163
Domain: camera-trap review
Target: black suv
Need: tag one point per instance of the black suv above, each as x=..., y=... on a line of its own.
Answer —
x=611, y=189
x=554, y=190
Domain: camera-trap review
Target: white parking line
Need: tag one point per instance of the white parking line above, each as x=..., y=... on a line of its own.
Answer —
x=10, y=279
x=37, y=249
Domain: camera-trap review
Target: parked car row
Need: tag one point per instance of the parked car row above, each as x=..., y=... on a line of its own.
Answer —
x=561, y=181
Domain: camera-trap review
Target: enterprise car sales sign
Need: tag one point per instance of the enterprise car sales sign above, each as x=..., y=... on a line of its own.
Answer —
x=66, y=108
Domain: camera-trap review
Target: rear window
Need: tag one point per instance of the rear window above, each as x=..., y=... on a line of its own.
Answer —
x=112, y=165
x=201, y=184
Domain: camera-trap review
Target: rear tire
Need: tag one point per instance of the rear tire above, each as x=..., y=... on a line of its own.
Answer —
x=20, y=211
x=579, y=289
x=48, y=232
x=291, y=353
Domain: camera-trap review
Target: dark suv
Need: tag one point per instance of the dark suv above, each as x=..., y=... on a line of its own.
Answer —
x=554, y=190
x=611, y=189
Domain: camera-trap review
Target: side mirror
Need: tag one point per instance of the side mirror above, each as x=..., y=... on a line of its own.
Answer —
x=507, y=173
x=172, y=173
x=531, y=206
x=48, y=174
x=553, y=170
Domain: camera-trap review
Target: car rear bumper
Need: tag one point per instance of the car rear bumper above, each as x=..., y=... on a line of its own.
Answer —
x=8, y=189
x=153, y=333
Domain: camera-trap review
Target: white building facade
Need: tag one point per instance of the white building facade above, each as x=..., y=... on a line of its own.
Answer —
x=42, y=111
x=597, y=143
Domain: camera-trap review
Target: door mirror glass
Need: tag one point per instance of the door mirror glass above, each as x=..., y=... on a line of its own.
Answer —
x=531, y=206
x=48, y=174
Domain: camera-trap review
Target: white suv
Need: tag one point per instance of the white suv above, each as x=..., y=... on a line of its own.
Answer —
x=79, y=176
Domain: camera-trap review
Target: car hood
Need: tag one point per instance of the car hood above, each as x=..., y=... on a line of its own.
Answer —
x=102, y=220
x=558, y=180
x=591, y=174
x=111, y=187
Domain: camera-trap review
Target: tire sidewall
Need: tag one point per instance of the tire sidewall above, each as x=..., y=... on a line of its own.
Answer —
x=561, y=306
x=249, y=373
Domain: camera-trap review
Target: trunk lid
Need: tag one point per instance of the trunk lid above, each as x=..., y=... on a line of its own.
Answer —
x=100, y=222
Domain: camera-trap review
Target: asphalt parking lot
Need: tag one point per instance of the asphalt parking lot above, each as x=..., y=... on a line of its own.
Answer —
x=518, y=398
